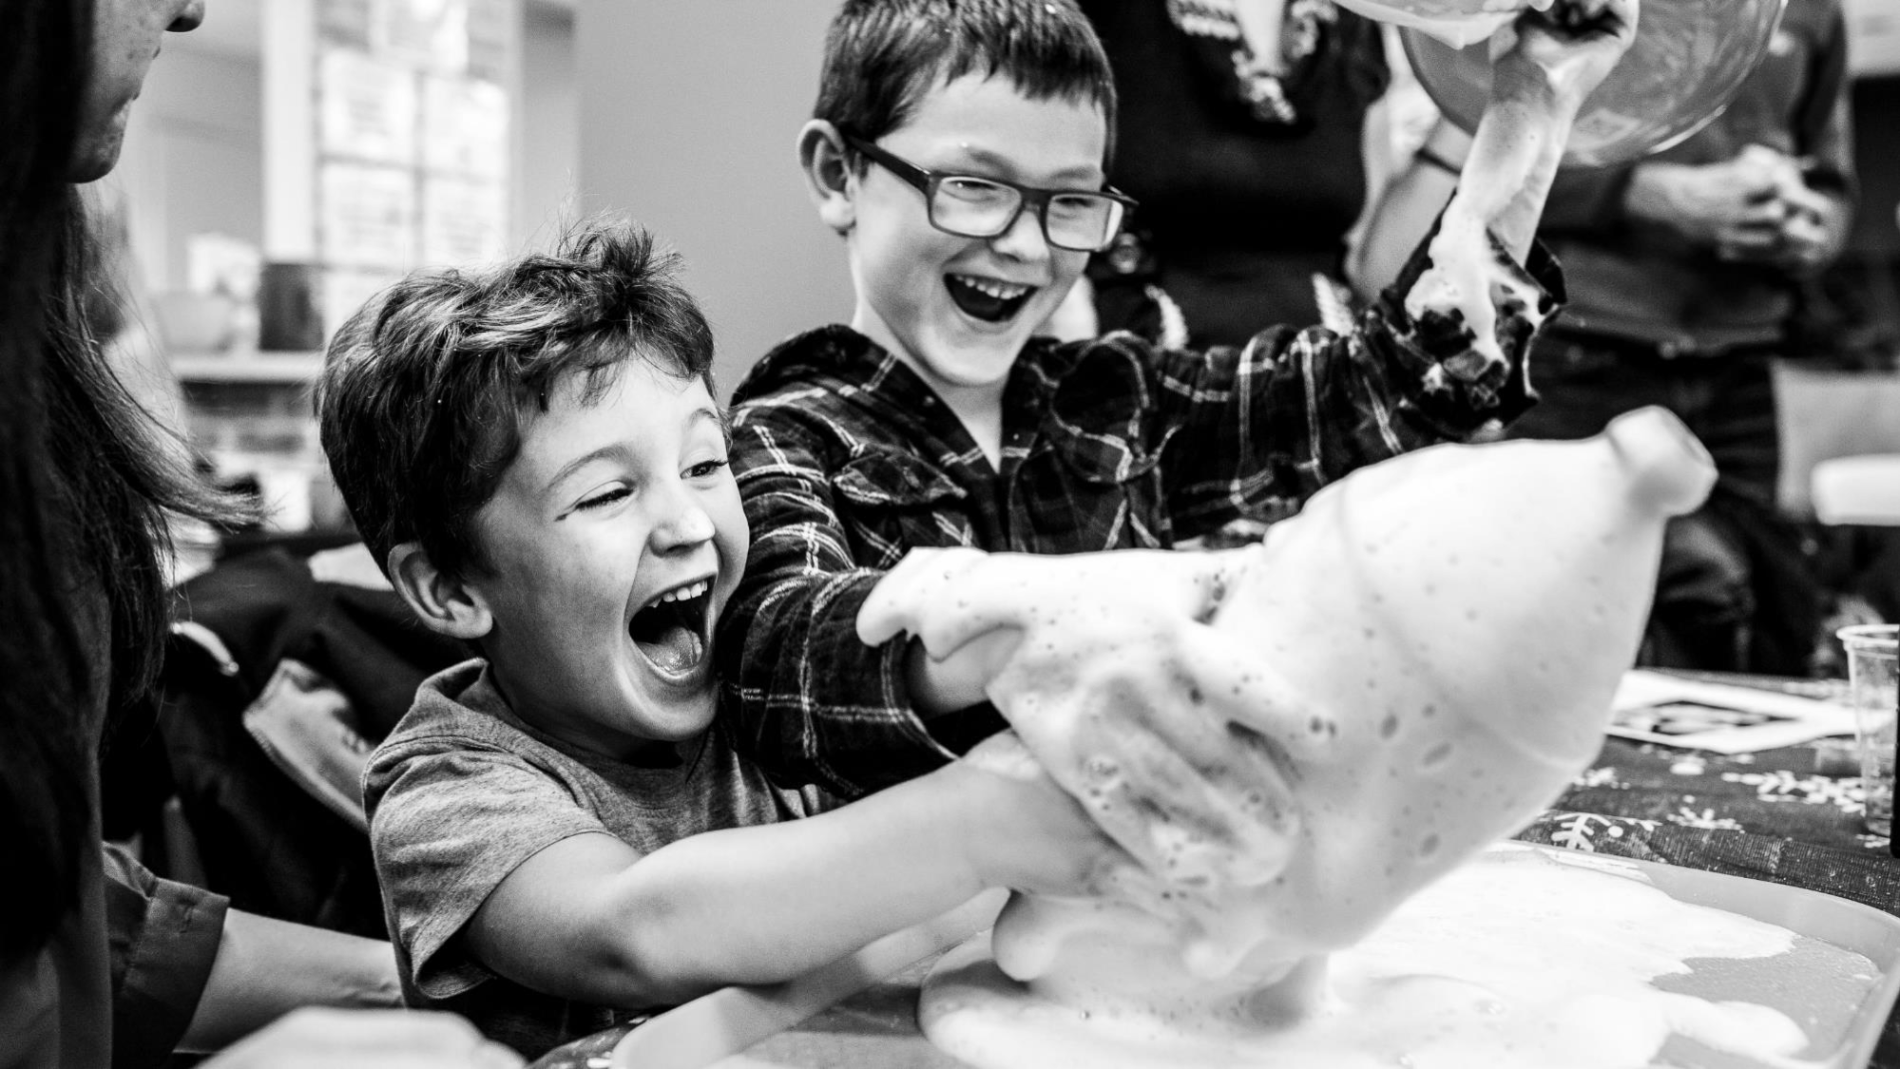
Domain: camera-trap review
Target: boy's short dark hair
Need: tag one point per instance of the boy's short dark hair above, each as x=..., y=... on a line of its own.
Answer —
x=882, y=56
x=424, y=389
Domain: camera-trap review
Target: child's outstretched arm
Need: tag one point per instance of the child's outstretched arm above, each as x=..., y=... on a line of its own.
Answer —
x=1546, y=64
x=1101, y=662
x=808, y=701
x=589, y=918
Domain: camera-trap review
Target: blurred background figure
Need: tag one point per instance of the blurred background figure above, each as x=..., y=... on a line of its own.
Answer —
x=1686, y=275
x=1242, y=132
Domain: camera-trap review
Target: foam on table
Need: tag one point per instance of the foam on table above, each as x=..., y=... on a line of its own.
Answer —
x=1516, y=959
x=1416, y=664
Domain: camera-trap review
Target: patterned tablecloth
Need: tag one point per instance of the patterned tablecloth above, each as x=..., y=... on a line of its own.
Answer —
x=1790, y=816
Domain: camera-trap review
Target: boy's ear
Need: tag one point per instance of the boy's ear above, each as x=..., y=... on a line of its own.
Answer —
x=447, y=604
x=821, y=157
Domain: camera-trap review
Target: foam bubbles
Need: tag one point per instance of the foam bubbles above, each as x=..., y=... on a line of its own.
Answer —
x=1515, y=959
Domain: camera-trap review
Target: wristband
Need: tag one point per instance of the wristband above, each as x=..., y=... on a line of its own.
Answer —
x=1426, y=156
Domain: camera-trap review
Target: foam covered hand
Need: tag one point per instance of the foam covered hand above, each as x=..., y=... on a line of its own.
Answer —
x=1029, y=834
x=1104, y=665
x=1428, y=651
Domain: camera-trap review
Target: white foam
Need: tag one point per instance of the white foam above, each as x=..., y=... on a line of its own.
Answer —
x=1406, y=671
x=1510, y=961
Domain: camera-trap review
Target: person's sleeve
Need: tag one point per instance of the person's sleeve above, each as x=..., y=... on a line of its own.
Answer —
x=163, y=938
x=1824, y=125
x=809, y=701
x=449, y=822
x=1245, y=431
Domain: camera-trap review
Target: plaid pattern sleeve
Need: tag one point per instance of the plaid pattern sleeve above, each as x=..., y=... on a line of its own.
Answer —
x=811, y=703
x=1253, y=432
x=846, y=460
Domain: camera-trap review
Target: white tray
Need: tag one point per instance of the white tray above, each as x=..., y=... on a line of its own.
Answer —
x=881, y=1033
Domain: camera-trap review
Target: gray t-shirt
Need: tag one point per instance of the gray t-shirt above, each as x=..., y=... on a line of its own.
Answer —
x=463, y=790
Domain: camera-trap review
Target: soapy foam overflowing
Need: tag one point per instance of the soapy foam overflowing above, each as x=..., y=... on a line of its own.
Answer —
x=1426, y=655
x=1514, y=960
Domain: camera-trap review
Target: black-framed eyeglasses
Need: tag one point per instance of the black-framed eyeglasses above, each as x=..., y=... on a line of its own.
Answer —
x=972, y=206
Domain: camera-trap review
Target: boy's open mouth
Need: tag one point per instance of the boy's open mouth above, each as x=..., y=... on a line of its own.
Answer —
x=671, y=629
x=987, y=299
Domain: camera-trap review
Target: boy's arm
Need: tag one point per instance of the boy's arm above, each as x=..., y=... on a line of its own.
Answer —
x=1441, y=355
x=588, y=918
x=1108, y=670
x=811, y=703
x=1538, y=85
x=1550, y=62
x=1254, y=432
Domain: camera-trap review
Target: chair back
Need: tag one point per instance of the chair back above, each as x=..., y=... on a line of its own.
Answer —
x=1824, y=413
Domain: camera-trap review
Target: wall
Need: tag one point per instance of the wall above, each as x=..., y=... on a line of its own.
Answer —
x=193, y=158
x=689, y=113
x=547, y=142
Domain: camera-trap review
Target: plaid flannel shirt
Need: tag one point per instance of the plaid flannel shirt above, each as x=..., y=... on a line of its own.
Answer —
x=846, y=459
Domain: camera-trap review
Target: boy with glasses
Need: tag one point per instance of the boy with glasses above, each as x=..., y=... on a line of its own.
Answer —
x=959, y=148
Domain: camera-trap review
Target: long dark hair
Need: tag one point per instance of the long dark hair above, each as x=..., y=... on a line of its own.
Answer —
x=84, y=488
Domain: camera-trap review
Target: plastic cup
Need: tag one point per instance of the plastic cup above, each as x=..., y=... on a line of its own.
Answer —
x=1873, y=666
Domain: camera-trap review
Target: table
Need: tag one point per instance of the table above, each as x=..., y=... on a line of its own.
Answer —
x=1790, y=816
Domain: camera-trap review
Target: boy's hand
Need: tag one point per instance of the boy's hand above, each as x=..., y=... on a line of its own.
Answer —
x=966, y=609
x=1030, y=835
x=1101, y=662
x=1568, y=46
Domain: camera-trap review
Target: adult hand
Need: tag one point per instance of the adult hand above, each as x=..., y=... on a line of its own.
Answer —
x=367, y=1039
x=1737, y=208
x=1105, y=666
x=1812, y=224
